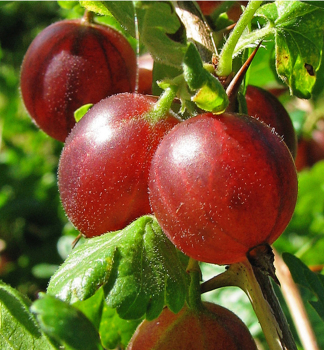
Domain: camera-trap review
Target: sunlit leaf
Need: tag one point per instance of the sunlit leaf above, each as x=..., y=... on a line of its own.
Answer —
x=80, y=112
x=209, y=92
x=18, y=327
x=317, y=3
x=298, y=28
x=115, y=331
x=66, y=324
x=92, y=307
x=97, y=7
x=162, y=33
x=160, y=29
x=123, y=11
x=140, y=269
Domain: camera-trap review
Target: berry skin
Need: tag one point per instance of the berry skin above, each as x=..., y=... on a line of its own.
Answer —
x=233, y=13
x=104, y=166
x=264, y=106
x=72, y=63
x=222, y=185
x=211, y=328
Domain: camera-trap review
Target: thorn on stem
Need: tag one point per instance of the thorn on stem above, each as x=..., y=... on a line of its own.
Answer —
x=236, y=82
x=76, y=240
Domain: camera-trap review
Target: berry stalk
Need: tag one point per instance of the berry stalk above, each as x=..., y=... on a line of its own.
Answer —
x=257, y=287
x=194, y=298
x=162, y=106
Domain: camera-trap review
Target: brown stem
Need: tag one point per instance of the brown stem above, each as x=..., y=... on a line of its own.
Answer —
x=295, y=304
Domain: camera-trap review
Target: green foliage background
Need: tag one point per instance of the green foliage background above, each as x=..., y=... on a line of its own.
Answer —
x=31, y=218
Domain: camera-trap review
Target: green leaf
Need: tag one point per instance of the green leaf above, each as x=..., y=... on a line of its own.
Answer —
x=319, y=86
x=66, y=324
x=262, y=71
x=97, y=7
x=123, y=11
x=139, y=267
x=318, y=3
x=18, y=327
x=298, y=28
x=160, y=29
x=162, y=33
x=210, y=94
x=303, y=276
x=80, y=112
x=92, y=307
x=115, y=331
x=160, y=72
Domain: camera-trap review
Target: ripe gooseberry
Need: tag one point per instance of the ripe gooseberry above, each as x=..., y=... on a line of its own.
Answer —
x=104, y=166
x=210, y=328
x=233, y=12
x=72, y=63
x=264, y=106
x=221, y=185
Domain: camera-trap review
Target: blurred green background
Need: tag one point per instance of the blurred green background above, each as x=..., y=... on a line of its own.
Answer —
x=32, y=221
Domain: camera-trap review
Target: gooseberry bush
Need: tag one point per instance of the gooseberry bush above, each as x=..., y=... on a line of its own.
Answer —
x=177, y=127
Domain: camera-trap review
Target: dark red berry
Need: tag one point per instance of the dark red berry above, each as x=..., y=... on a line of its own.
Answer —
x=104, y=166
x=264, y=106
x=211, y=328
x=221, y=185
x=72, y=63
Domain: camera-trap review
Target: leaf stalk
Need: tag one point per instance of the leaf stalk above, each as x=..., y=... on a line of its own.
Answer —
x=224, y=67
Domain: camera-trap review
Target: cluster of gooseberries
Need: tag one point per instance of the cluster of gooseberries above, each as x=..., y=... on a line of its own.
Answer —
x=219, y=185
